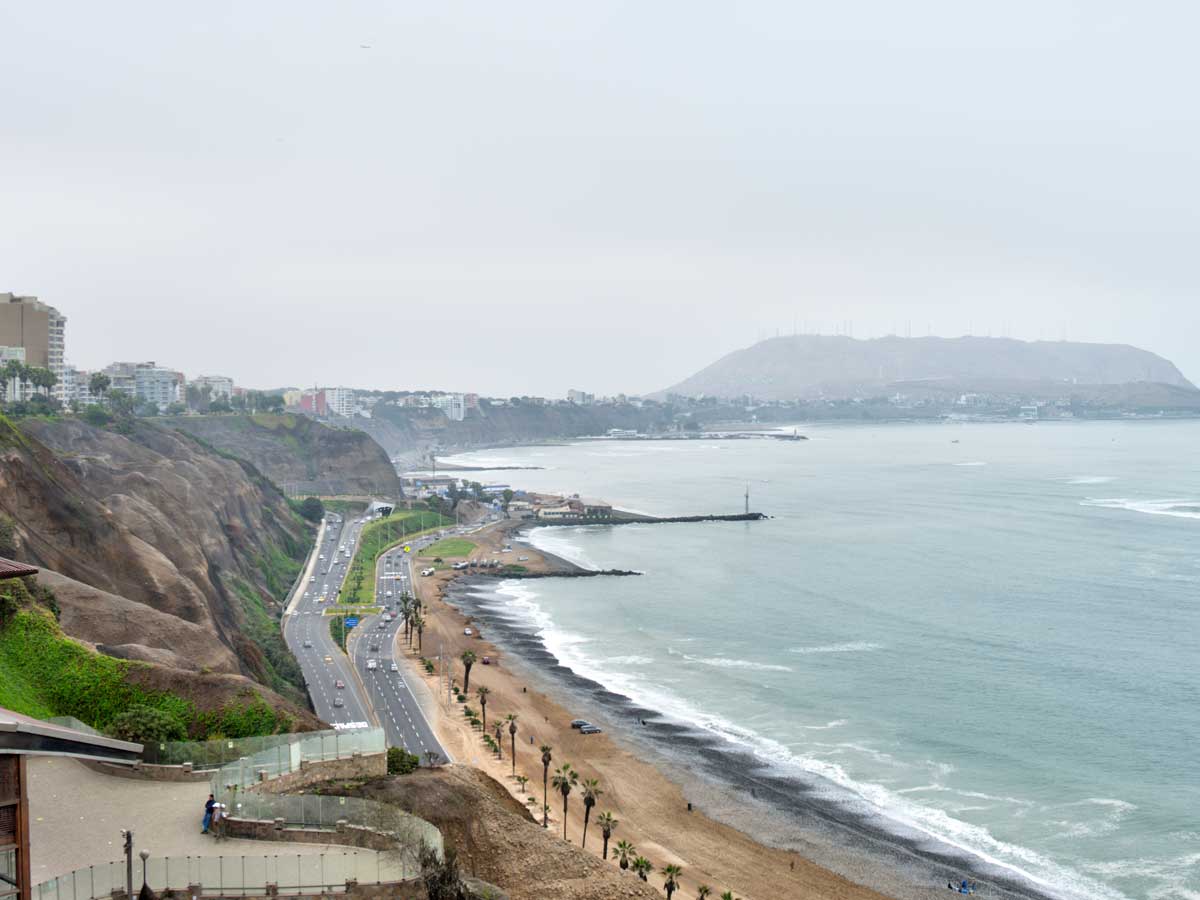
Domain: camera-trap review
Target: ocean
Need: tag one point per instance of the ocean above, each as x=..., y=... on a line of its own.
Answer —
x=980, y=639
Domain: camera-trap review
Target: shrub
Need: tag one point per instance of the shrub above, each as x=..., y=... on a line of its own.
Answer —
x=147, y=725
x=401, y=762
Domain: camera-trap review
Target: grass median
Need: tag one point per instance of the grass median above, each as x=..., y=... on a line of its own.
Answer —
x=379, y=536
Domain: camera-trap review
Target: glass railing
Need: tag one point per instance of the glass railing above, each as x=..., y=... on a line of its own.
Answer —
x=315, y=746
x=324, y=872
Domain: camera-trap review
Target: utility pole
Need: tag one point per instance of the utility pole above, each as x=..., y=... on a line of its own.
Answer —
x=747, y=499
x=128, y=847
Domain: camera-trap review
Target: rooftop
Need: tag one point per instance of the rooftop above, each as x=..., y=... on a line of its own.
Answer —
x=12, y=569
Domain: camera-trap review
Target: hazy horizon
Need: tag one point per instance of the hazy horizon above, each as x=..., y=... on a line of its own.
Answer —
x=522, y=201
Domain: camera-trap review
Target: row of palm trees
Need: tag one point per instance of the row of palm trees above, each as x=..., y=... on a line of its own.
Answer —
x=37, y=376
x=565, y=781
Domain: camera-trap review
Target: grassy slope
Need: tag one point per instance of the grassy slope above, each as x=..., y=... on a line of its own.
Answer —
x=379, y=536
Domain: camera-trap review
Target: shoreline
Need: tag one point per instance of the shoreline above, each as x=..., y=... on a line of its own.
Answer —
x=778, y=835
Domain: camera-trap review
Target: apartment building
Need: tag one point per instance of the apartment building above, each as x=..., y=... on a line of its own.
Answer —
x=218, y=386
x=37, y=327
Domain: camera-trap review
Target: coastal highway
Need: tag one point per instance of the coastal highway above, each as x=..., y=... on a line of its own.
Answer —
x=306, y=631
x=388, y=691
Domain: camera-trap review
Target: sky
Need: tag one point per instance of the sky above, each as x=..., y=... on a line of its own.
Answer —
x=521, y=198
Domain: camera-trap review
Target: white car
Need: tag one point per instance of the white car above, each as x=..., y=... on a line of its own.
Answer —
x=467, y=632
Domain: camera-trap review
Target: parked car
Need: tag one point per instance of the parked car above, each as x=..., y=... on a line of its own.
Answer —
x=487, y=660
x=579, y=723
x=589, y=729
x=467, y=632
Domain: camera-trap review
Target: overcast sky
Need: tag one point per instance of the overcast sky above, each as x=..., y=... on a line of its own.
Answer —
x=525, y=197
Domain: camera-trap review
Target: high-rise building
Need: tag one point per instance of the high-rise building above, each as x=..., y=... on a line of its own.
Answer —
x=147, y=382
x=340, y=401
x=39, y=328
x=453, y=405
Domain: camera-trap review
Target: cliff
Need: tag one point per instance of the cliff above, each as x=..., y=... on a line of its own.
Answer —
x=299, y=454
x=159, y=550
x=804, y=366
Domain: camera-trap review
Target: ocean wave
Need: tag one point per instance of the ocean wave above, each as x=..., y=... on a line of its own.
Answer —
x=973, y=463
x=848, y=647
x=721, y=662
x=1090, y=479
x=836, y=723
x=1182, y=509
x=889, y=806
x=558, y=541
x=630, y=660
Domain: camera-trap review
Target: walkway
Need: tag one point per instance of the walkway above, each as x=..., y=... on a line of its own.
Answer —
x=76, y=816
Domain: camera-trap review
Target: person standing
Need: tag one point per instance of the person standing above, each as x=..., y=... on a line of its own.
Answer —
x=208, y=813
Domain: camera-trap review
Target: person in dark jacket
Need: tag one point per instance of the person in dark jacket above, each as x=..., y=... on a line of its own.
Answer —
x=208, y=813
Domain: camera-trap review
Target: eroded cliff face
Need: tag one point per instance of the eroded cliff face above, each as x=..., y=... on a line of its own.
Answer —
x=299, y=454
x=164, y=551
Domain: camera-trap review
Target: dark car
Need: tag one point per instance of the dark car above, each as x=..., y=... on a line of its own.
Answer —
x=579, y=723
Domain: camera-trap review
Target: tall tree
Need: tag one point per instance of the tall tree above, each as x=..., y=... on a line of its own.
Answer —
x=591, y=793
x=546, y=759
x=624, y=853
x=511, y=719
x=643, y=867
x=468, y=660
x=564, y=781
x=608, y=824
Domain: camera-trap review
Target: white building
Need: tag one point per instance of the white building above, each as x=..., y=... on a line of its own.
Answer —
x=15, y=389
x=340, y=401
x=453, y=405
x=154, y=384
x=77, y=387
x=218, y=386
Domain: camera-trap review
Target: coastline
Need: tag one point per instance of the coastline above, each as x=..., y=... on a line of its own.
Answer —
x=751, y=830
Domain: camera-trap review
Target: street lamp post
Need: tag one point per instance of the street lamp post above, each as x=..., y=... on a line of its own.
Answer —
x=128, y=848
x=145, y=855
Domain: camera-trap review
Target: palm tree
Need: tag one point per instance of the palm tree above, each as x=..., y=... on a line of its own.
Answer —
x=607, y=826
x=702, y=892
x=468, y=660
x=546, y=758
x=483, y=695
x=591, y=793
x=642, y=867
x=728, y=895
x=419, y=624
x=623, y=853
x=511, y=719
x=671, y=882
x=565, y=779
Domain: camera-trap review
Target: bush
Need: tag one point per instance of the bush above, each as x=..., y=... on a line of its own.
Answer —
x=462, y=698
x=312, y=509
x=147, y=725
x=401, y=762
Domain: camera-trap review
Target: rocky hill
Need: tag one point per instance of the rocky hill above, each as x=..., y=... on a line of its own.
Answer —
x=805, y=366
x=299, y=454
x=158, y=550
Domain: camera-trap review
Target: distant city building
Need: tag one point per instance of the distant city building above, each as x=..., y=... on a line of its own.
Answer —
x=471, y=401
x=292, y=398
x=622, y=433
x=146, y=382
x=77, y=387
x=453, y=405
x=313, y=403
x=340, y=401
x=582, y=398
x=15, y=388
x=218, y=386
x=39, y=329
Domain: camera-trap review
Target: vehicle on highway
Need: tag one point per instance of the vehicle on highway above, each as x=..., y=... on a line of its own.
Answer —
x=381, y=626
x=395, y=668
x=312, y=579
x=372, y=665
x=308, y=643
x=338, y=701
x=329, y=659
x=579, y=723
x=589, y=729
x=340, y=685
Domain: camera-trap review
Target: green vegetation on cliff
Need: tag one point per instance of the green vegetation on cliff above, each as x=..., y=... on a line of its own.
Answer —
x=43, y=673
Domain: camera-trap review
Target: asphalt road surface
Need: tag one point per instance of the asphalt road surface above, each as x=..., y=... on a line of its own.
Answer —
x=306, y=631
x=381, y=640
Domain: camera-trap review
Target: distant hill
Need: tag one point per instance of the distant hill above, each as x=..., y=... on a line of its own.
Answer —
x=805, y=366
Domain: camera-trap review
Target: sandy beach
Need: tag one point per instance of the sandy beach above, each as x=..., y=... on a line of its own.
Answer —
x=651, y=808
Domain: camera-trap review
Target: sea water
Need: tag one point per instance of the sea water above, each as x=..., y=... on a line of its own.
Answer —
x=987, y=633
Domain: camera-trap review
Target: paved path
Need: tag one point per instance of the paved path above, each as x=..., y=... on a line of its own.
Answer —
x=76, y=816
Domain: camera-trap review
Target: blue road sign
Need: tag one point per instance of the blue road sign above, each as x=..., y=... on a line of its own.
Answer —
x=351, y=621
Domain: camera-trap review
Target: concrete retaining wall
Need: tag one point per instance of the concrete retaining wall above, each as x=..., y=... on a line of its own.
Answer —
x=371, y=765
x=143, y=772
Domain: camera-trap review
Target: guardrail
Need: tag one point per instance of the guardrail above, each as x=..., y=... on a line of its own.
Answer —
x=318, y=873
x=315, y=746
